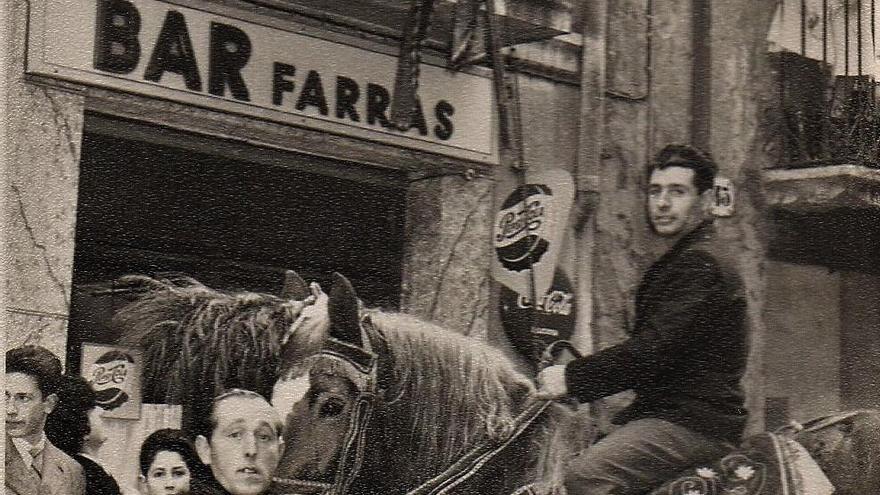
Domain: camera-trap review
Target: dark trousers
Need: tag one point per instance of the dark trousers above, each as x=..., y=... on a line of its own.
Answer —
x=638, y=457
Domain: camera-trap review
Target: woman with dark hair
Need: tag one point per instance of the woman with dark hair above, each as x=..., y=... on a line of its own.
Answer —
x=168, y=463
x=75, y=426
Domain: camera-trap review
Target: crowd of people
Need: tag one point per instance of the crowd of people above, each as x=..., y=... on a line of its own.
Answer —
x=54, y=430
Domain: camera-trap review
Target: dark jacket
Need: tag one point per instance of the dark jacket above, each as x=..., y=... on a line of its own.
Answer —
x=687, y=350
x=98, y=481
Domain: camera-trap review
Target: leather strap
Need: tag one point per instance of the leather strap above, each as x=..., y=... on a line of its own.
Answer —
x=473, y=461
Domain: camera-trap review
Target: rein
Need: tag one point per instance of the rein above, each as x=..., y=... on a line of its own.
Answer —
x=473, y=461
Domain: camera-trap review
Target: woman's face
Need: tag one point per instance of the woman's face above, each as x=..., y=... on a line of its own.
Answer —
x=168, y=474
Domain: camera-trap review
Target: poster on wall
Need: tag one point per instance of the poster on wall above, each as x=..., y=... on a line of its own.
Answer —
x=114, y=373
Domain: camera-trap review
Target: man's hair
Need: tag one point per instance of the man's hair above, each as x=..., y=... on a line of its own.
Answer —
x=686, y=156
x=68, y=424
x=170, y=440
x=37, y=362
x=205, y=421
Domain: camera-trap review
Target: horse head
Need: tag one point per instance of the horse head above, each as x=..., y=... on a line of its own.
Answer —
x=326, y=430
x=394, y=403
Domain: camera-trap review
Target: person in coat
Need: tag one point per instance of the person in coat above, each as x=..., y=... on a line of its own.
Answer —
x=685, y=355
x=33, y=465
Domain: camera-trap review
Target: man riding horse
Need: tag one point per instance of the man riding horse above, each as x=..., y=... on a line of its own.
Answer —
x=686, y=353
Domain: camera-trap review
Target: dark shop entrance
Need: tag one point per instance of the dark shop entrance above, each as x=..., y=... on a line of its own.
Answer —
x=234, y=216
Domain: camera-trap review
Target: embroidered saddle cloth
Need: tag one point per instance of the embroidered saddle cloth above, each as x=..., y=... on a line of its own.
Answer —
x=766, y=464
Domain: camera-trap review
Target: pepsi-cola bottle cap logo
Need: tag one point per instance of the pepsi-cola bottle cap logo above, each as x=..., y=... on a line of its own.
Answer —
x=109, y=379
x=520, y=240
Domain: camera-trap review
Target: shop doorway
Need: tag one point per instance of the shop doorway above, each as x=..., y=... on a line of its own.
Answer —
x=156, y=202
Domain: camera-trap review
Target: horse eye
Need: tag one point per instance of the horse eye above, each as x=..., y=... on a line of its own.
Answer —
x=331, y=407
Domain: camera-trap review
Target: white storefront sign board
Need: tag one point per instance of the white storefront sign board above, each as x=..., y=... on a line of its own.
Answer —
x=237, y=62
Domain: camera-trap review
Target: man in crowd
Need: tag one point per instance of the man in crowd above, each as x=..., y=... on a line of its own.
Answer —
x=240, y=442
x=686, y=353
x=33, y=464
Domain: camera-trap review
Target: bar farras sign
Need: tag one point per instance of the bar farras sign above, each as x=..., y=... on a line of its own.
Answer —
x=237, y=62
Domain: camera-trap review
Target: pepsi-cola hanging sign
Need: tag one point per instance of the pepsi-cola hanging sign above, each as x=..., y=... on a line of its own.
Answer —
x=529, y=228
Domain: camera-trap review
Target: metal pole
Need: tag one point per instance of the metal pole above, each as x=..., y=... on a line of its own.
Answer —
x=824, y=31
x=859, y=35
x=846, y=37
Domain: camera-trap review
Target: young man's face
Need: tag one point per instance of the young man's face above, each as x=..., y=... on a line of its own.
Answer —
x=674, y=205
x=26, y=408
x=244, y=448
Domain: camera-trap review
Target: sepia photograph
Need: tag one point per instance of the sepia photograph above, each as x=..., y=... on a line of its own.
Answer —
x=440, y=247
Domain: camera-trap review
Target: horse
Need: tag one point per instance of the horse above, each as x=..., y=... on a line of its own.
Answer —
x=198, y=341
x=396, y=405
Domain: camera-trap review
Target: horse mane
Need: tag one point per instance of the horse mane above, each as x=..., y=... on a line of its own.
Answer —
x=474, y=386
x=198, y=341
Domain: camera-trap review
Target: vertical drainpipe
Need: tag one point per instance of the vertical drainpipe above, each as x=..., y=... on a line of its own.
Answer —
x=701, y=72
x=591, y=127
x=591, y=120
x=7, y=62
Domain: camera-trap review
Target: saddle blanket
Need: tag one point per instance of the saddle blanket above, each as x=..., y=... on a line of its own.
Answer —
x=766, y=464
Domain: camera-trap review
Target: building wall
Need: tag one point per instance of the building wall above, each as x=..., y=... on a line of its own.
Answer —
x=446, y=266
x=739, y=89
x=449, y=212
x=859, y=342
x=44, y=127
x=802, y=345
x=449, y=216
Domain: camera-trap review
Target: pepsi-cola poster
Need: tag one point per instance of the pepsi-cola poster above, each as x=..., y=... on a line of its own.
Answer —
x=114, y=374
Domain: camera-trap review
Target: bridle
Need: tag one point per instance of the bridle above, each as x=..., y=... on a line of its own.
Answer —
x=361, y=366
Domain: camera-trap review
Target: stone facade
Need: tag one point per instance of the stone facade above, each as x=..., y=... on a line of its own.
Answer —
x=445, y=269
x=43, y=129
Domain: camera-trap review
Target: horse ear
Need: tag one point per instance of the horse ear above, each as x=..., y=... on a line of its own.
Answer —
x=344, y=314
x=295, y=287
